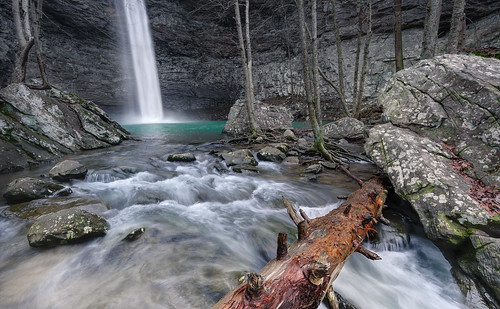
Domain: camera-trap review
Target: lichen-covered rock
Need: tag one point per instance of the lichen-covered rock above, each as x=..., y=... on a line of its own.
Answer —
x=181, y=157
x=29, y=188
x=268, y=117
x=272, y=154
x=346, y=127
x=67, y=226
x=454, y=99
x=239, y=157
x=68, y=169
x=420, y=172
x=39, y=125
x=487, y=251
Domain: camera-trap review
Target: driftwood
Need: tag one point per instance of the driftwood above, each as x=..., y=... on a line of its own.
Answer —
x=301, y=275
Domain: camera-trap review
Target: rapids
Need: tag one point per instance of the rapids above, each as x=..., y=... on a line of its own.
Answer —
x=204, y=230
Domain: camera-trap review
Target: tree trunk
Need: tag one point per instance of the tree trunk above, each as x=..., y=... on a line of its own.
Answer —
x=246, y=58
x=300, y=276
x=431, y=28
x=364, y=68
x=36, y=17
x=355, y=87
x=457, y=20
x=24, y=38
x=398, y=36
x=340, y=62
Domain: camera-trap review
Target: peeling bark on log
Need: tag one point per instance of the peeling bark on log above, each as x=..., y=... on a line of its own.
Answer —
x=301, y=278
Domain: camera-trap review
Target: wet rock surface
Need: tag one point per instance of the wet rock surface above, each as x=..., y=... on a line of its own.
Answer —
x=181, y=157
x=66, y=227
x=29, y=188
x=67, y=170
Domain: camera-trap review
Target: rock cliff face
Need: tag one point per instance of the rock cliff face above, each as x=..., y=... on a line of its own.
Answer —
x=196, y=54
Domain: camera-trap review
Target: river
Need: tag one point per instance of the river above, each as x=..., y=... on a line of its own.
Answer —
x=204, y=230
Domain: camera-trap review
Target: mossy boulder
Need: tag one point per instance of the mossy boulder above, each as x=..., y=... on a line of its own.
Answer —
x=67, y=226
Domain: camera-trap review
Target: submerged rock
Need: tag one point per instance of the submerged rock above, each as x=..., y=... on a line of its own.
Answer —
x=272, y=154
x=239, y=157
x=29, y=188
x=67, y=170
x=268, y=117
x=135, y=234
x=41, y=207
x=181, y=157
x=67, y=226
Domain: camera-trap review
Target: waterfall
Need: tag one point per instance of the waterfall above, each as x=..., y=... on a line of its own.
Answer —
x=143, y=62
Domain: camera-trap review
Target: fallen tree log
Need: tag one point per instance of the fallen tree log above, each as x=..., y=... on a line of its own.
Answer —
x=301, y=274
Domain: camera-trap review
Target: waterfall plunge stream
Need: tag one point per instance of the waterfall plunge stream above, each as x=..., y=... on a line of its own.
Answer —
x=147, y=84
x=204, y=230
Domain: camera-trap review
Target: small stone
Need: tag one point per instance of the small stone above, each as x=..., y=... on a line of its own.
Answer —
x=289, y=135
x=135, y=234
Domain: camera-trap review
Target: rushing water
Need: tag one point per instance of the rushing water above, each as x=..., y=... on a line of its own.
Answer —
x=204, y=230
x=143, y=61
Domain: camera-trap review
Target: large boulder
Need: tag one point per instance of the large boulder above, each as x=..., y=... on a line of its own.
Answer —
x=67, y=170
x=39, y=125
x=29, y=188
x=454, y=99
x=67, y=226
x=420, y=171
x=268, y=117
x=442, y=143
x=349, y=128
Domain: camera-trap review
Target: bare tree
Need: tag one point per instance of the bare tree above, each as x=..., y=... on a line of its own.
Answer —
x=457, y=24
x=27, y=22
x=398, y=36
x=311, y=73
x=431, y=28
x=246, y=58
x=359, y=74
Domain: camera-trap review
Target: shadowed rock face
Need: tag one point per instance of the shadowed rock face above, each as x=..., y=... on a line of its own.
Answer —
x=196, y=54
x=445, y=111
x=40, y=125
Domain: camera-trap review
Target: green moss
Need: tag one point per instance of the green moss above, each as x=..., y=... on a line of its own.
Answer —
x=421, y=190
